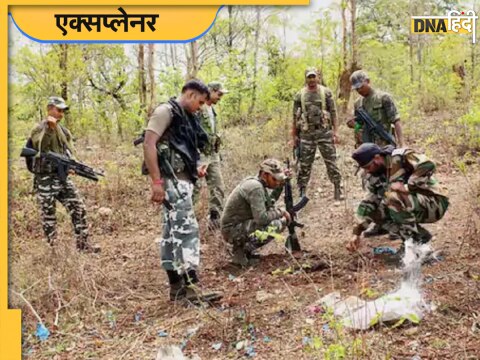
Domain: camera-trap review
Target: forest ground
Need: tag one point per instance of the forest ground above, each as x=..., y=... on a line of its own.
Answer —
x=114, y=305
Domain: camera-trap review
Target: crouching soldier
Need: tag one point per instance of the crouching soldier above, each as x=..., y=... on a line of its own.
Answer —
x=250, y=207
x=402, y=193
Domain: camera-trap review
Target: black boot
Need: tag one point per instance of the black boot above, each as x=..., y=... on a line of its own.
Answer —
x=177, y=287
x=423, y=236
x=376, y=230
x=337, y=191
x=214, y=220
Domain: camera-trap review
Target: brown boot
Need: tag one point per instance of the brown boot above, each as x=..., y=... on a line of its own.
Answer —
x=239, y=257
x=84, y=246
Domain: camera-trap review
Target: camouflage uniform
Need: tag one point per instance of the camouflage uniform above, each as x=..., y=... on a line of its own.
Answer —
x=397, y=212
x=250, y=207
x=211, y=157
x=48, y=186
x=378, y=104
x=180, y=241
x=314, y=122
x=180, y=244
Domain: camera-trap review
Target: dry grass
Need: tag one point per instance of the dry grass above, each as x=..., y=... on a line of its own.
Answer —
x=112, y=305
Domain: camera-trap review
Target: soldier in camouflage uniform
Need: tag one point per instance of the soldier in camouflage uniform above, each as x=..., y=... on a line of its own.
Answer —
x=250, y=207
x=379, y=105
x=211, y=156
x=173, y=127
x=315, y=125
x=402, y=194
x=49, y=135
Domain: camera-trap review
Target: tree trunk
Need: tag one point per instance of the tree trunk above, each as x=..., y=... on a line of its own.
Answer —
x=344, y=33
x=63, y=59
x=192, y=60
x=151, y=78
x=142, y=87
x=353, y=12
x=255, y=61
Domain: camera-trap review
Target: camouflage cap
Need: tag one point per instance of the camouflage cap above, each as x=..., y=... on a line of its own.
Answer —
x=274, y=168
x=217, y=86
x=365, y=153
x=357, y=79
x=58, y=102
x=310, y=72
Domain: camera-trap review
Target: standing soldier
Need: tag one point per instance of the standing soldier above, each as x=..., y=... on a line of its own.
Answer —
x=173, y=132
x=379, y=105
x=216, y=187
x=315, y=125
x=49, y=135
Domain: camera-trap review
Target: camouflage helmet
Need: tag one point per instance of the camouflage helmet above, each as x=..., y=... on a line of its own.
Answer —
x=365, y=153
x=217, y=86
x=274, y=168
x=311, y=71
x=58, y=102
x=357, y=79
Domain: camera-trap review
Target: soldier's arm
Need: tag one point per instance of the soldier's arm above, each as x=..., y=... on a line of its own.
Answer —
x=364, y=212
x=38, y=132
x=393, y=117
x=261, y=216
x=297, y=109
x=332, y=109
x=423, y=168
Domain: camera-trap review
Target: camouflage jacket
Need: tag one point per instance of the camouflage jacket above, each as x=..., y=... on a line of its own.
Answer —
x=314, y=110
x=381, y=107
x=210, y=129
x=58, y=139
x=412, y=169
x=251, y=200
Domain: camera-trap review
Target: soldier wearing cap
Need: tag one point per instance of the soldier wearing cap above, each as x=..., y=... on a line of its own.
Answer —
x=405, y=195
x=49, y=135
x=251, y=207
x=379, y=105
x=315, y=125
x=210, y=155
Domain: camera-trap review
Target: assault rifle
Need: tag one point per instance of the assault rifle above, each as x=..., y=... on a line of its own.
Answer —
x=64, y=164
x=372, y=129
x=292, y=243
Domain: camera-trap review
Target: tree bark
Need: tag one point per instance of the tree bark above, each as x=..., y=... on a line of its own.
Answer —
x=142, y=86
x=255, y=60
x=63, y=59
x=151, y=78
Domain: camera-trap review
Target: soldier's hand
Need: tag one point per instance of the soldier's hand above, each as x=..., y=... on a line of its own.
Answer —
x=51, y=121
x=202, y=170
x=158, y=193
x=336, y=139
x=287, y=217
x=354, y=244
x=293, y=142
x=351, y=122
x=399, y=187
x=71, y=172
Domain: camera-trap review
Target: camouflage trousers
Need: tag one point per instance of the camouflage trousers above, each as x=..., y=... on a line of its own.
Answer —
x=215, y=184
x=322, y=139
x=243, y=235
x=49, y=189
x=401, y=213
x=180, y=242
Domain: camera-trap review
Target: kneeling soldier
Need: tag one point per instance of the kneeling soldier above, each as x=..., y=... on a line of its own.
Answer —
x=402, y=193
x=250, y=207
